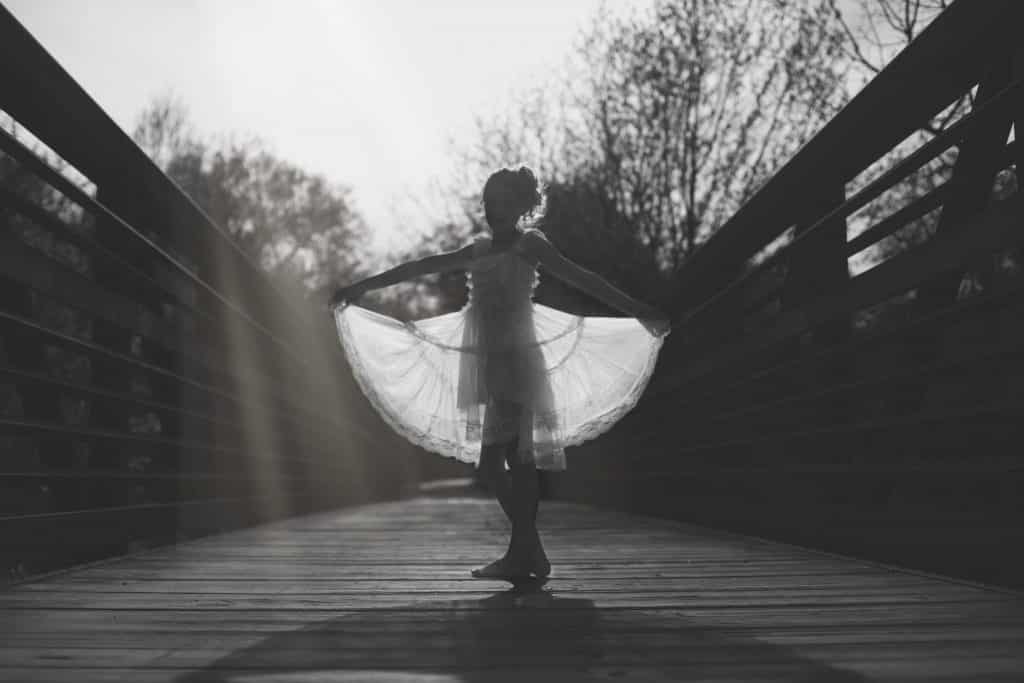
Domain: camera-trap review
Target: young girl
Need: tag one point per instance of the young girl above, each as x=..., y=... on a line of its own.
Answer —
x=505, y=383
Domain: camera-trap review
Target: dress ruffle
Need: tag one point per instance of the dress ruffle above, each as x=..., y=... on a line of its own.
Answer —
x=446, y=382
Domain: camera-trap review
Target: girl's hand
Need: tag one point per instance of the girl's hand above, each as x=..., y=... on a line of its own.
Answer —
x=658, y=327
x=656, y=322
x=340, y=297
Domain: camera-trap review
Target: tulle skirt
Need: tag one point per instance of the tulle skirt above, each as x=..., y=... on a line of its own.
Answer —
x=531, y=374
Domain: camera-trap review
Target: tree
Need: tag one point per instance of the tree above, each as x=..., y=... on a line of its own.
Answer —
x=658, y=130
x=297, y=225
x=693, y=105
x=676, y=115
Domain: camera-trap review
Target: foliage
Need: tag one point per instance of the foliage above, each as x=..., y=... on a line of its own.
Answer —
x=296, y=224
x=692, y=105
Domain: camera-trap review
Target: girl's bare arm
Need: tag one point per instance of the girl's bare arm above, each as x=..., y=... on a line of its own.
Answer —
x=586, y=280
x=436, y=263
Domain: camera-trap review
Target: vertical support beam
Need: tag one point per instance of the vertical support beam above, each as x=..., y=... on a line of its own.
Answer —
x=974, y=173
x=1016, y=74
x=971, y=185
x=818, y=266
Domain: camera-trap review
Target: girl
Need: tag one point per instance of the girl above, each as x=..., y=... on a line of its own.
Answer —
x=505, y=383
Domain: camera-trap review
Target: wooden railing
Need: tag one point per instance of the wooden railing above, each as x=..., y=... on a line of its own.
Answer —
x=154, y=383
x=878, y=412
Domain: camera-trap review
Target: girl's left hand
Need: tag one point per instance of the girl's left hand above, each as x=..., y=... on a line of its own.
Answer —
x=658, y=327
x=339, y=298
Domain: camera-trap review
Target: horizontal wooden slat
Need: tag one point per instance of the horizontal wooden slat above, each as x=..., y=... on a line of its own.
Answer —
x=1005, y=410
x=84, y=346
x=164, y=446
x=999, y=351
x=56, y=385
x=119, y=510
x=99, y=474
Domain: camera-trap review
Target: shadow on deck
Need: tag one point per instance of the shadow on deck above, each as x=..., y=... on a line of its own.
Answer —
x=383, y=593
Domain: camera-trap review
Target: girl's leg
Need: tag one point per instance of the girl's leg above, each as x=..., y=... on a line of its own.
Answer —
x=492, y=464
x=517, y=491
x=525, y=547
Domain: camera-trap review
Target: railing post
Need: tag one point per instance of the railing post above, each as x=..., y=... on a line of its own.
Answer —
x=1016, y=74
x=819, y=265
x=122, y=339
x=974, y=172
x=819, y=268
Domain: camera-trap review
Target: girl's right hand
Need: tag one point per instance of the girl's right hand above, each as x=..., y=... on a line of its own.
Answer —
x=658, y=327
x=339, y=298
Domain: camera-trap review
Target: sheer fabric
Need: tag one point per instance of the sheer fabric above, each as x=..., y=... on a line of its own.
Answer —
x=446, y=383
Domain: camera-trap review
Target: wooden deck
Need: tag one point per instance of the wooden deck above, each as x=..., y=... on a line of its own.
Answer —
x=382, y=593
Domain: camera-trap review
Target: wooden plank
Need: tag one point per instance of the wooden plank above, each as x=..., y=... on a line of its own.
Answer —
x=383, y=592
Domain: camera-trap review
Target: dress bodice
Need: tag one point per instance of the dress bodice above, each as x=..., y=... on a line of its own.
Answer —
x=503, y=280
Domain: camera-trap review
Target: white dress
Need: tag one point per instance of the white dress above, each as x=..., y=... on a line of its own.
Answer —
x=502, y=367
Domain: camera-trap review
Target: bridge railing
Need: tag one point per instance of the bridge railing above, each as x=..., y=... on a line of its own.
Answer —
x=154, y=383
x=873, y=404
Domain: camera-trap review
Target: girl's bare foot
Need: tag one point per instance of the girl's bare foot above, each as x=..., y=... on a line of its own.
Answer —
x=541, y=566
x=505, y=569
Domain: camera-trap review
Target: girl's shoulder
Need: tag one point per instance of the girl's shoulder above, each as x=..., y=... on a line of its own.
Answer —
x=481, y=245
x=532, y=242
x=526, y=244
x=533, y=234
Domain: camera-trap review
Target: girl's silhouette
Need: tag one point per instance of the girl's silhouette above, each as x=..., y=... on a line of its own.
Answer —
x=505, y=383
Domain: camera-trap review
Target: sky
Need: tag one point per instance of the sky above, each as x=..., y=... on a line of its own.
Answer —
x=368, y=93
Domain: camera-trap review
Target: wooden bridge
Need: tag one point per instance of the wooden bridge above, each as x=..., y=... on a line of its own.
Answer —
x=382, y=593
x=823, y=483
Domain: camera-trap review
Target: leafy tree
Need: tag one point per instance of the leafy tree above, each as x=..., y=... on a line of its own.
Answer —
x=297, y=225
x=693, y=104
x=665, y=121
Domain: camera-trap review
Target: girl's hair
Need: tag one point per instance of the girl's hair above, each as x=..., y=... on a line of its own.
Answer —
x=519, y=186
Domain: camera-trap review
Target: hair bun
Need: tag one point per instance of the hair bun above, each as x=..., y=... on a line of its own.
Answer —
x=527, y=191
x=520, y=184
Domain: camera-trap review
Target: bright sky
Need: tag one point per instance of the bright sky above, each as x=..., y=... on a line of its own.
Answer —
x=367, y=92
